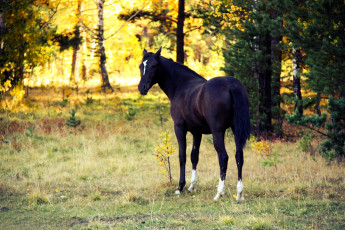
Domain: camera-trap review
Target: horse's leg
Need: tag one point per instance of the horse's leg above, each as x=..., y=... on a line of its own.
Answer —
x=180, y=132
x=194, y=159
x=239, y=162
x=218, y=142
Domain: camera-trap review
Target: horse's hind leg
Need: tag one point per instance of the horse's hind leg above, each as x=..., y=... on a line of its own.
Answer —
x=239, y=163
x=218, y=142
x=194, y=159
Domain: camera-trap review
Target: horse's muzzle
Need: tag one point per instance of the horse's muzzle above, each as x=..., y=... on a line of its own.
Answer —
x=143, y=89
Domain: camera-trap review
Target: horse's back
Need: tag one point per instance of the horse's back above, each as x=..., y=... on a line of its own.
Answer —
x=218, y=101
x=207, y=107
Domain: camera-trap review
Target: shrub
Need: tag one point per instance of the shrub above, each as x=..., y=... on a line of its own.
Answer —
x=334, y=145
x=163, y=152
x=73, y=122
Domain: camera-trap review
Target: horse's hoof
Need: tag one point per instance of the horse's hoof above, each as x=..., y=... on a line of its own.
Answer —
x=239, y=196
x=177, y=192
x=219, y=195
x=191, y=188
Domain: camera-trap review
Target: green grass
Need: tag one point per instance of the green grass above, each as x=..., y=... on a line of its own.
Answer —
x=106, y=176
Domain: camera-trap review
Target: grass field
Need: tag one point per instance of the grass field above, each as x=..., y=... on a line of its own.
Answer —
x=105, y=175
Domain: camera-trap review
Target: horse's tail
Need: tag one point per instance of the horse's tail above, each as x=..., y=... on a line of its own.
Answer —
x=241, y=127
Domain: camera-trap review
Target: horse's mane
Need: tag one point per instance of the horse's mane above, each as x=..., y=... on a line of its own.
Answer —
x=179, y=67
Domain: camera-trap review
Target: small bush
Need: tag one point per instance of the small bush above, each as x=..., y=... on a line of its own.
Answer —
x=260, y=224
x=73, y=122
x=37, y=198
x=163, y=152
x=334, y=145
x=95, y=196
x=227, y=220
x=272, y=160
x=130, y=113
x=30, y=130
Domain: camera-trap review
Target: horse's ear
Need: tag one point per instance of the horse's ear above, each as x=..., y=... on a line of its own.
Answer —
x=158, y=53
x=144, y=52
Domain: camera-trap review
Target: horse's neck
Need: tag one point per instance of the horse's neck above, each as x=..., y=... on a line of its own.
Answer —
x=173, y=79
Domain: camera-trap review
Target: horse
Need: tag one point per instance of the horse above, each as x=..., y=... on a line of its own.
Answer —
x=200, y=106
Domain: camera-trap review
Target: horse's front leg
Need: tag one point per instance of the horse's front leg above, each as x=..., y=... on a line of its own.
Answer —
x=181, y=132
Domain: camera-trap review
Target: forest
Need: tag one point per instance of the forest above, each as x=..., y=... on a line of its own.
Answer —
x=80, y=148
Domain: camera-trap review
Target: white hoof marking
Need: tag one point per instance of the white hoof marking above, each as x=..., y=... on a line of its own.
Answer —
x=239, y=196
x=217, y=196
x=192, y=181
x=220, y=190
x=177, y=192
x=191, y=188
x=239, y=190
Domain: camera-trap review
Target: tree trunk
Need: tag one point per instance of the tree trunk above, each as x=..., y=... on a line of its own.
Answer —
x=265, y=79
x=76, y=47
x=101, y=49
x=19, y=70
x=75, y=54
x=317, y=105
x=179, y=32
x=146, y=35
x=276, y=59
x=296, y=83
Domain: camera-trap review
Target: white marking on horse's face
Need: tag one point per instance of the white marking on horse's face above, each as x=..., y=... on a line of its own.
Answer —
x=144, y=63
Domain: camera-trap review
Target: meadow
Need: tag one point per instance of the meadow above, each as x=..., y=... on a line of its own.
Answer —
x=104, y=173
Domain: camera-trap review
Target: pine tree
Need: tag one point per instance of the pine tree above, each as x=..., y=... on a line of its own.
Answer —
x=72, y=121
x=251, y=53
x=334, y=145
x=317, y=28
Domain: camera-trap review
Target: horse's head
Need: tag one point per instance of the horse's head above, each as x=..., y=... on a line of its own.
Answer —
x=148, y=70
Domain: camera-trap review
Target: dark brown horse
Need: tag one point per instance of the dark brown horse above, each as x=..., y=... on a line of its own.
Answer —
x=200, y=107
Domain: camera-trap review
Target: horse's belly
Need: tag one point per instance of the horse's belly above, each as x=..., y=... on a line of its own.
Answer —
x=198, y=126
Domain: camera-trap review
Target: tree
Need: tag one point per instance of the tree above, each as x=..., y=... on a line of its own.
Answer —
x=317, y=27
x=98, y=34
x=101, y=49
x=169, y=20
x=252, y=31
x=25, y=34
x=76, y=45
x=296, y=79
x=179, y=33
x=70, y=36
x=276, y=59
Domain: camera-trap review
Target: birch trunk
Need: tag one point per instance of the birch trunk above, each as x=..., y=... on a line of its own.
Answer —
x=101, y=49
x=296, y=70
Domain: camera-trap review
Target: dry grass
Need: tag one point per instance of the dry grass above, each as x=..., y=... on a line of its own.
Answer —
x=106, y=175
